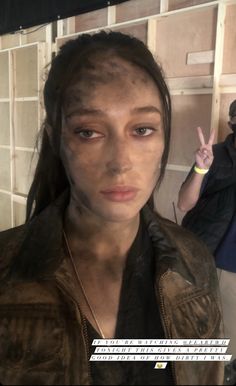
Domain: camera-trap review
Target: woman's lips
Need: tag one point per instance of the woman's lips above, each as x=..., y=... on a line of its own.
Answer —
x=120, y=193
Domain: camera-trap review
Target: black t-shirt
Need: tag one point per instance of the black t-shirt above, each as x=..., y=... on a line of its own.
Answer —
x=138, y=318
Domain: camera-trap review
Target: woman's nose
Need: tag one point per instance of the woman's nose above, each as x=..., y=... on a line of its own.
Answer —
x=119, y=160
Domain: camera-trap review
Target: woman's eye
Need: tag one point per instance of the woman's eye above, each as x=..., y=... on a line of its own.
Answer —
x=87, y=134
x=143, y=131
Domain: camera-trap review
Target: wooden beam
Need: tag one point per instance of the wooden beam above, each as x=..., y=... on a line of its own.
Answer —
x=20, y=199
x=111, y=15
x=60, y=28
x=12, y=78
x=151, y=35
x=164, y=6
x=219, y=47
x=70, y=25
x=5, y=192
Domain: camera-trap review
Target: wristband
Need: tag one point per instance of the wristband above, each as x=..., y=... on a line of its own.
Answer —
x=200, y=171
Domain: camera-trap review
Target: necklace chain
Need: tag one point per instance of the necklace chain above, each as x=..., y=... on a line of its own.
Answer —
x=82, y=287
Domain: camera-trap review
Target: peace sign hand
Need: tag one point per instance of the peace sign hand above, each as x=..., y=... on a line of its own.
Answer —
x=204, y=155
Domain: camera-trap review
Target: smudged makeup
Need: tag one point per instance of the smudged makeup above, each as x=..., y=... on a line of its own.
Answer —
x=112, y=139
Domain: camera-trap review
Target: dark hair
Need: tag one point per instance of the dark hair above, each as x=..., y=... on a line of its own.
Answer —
x=232, y=109
x=50, y=178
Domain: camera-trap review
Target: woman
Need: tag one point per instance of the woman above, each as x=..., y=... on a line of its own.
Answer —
x=93, y=259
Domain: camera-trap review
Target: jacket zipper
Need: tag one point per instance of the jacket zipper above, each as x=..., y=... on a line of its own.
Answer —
x=162, y=309
x=85, y=332
x=84, y=327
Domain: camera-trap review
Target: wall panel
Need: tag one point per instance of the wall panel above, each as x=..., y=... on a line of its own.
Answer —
x=5, y=176
x=4, y=75
x=34, y=34
x=229, y=61
x=189, y=112
x=90, y=20
x=5, y=211
x=168, y=194
x=24, y=167
x=10, y=40
x=173, y=43
x=178, y=4
x=5, y=123
x=26, y=123
x=136, y=8
x=26, y=62
x=138, y=30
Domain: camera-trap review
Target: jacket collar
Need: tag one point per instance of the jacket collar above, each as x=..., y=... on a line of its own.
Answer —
x=41, y=254
x=168, y=254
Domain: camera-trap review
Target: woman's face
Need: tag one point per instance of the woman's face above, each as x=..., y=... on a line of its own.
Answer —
x=112, y=139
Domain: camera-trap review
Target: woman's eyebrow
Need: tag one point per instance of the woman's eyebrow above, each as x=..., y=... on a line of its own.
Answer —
x=98, y=112
x=85, y=111
x=146, y=109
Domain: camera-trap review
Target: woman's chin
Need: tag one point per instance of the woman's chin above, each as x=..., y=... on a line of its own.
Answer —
x=118, y=214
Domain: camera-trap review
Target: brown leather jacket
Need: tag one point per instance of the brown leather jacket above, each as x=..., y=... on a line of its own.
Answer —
x=42, y=333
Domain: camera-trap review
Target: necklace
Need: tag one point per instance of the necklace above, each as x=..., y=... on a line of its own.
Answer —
x=82, y=287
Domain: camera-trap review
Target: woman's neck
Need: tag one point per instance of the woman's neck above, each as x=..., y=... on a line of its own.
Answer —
x=96, y=239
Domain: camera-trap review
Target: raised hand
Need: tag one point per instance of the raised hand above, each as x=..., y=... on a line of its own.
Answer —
x=204, y=155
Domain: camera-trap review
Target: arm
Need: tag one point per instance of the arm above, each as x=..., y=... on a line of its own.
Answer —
x=190, y=190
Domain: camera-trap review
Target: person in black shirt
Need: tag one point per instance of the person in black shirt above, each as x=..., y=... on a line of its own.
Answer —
x=208, y=196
